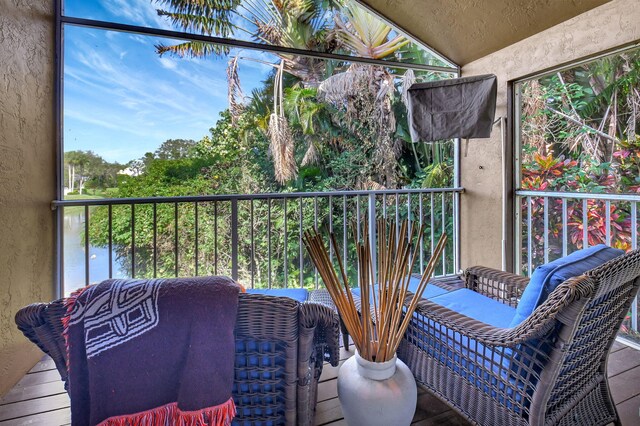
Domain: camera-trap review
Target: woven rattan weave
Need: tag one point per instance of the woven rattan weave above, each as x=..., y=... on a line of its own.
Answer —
x=290, y=340
x=550, y=369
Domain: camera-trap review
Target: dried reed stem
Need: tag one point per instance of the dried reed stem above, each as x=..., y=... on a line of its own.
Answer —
x=376, y=336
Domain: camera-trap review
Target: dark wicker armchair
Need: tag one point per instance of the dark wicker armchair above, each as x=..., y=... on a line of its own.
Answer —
x=550, y=369
x=297, y=338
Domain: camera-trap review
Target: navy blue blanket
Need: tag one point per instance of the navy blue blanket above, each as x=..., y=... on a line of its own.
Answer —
x=152, y=351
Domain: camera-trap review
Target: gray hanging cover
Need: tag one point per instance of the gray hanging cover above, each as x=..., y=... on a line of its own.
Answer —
x=455, y=108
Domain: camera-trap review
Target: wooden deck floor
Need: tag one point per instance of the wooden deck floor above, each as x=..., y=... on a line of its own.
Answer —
x=39, y=398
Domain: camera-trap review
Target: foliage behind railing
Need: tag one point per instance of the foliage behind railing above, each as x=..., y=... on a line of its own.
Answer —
x=254, y=238
x=554, y=224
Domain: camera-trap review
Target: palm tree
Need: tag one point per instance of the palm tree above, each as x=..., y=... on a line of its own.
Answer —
x=209, y=17
x=615, y=82
x=300, y=24
x=365, y=92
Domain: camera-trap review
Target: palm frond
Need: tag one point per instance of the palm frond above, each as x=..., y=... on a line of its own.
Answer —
x=201, y=16
x=408, y=79
x=312, y=156
x=199, y=7
x=337, y=88
x=193, y=49
x=235, y=94
x=365, y=34
x=281, y=147
x=388, y=48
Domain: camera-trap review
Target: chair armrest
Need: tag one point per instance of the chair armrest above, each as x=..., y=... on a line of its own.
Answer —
x=41, y=323
x=502, y=286
x=28, y=319
x=536, y=325
x=453, y=354
x=318, y=341
x=326, y=325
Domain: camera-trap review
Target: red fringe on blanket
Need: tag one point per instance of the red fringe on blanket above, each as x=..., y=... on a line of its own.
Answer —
x=170, y=414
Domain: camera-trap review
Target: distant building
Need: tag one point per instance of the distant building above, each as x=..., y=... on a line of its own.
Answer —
x=131, y=171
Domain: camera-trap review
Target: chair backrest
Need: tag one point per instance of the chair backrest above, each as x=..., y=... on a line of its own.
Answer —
x=578, y=359
x=271, y=332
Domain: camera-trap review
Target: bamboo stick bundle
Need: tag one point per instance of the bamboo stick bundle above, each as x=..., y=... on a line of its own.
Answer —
x=384, y=315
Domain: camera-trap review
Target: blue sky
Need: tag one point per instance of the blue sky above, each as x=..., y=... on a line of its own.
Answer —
x=121, y=99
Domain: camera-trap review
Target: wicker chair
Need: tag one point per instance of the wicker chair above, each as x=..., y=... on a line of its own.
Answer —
x=297, y=338
x=550, y=369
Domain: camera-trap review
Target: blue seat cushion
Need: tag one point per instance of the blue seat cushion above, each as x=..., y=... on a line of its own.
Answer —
x=259, y=386
x=430, y=291
x=473, y=305
x=477, y=306
x=260, y=367
x=466, y=356
x=547, y=277
x=299, y=294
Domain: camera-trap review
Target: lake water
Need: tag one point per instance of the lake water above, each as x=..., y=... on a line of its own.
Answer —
x=74, y=251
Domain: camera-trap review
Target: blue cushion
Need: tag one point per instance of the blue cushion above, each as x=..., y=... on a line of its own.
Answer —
x=260, y=380
x=259, y=375
x=547, y=277
x=477, y=306
x=299, y=294
x=430, y=291
x=466, y=356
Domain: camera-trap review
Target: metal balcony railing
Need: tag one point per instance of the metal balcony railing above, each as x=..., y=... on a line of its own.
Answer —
x=256, y=239
x=554, y=224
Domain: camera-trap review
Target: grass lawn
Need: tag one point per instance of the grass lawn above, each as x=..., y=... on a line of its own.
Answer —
x=94, y=194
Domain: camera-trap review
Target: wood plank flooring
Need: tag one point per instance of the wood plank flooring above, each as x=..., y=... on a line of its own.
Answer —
x=40, y=399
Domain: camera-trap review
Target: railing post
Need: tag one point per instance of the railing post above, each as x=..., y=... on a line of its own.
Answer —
x=372, y=233
x=529, y=237
x=634, y=315
x=87, y=276
x=634, y=246
x=234, y=239
x=517, y=267
x=456, y=234
x=59, y=288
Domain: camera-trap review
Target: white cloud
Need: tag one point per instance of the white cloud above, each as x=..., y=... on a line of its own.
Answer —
x=139, y=38
x=167, y=63
x=119, y=97
x=137, y=12
x=122, y=99
x=110, y=124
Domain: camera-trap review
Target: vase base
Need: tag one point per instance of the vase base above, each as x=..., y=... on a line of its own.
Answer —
x=371, y=402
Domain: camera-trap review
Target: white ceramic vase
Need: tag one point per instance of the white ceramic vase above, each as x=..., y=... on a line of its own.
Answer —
x=376, y=393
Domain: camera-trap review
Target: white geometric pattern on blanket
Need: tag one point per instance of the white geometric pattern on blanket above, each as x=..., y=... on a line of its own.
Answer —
x=127, y=310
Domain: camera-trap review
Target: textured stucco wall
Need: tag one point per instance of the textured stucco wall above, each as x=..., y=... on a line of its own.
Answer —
x=27, y=173
x=606, y=27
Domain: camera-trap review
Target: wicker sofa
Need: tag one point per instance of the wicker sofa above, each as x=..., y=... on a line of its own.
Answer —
x=281, y=345
x=548, y=369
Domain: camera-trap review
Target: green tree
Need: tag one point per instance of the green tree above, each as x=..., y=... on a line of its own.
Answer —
x=83, y=167
x=363, y=95
x=175, y=149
